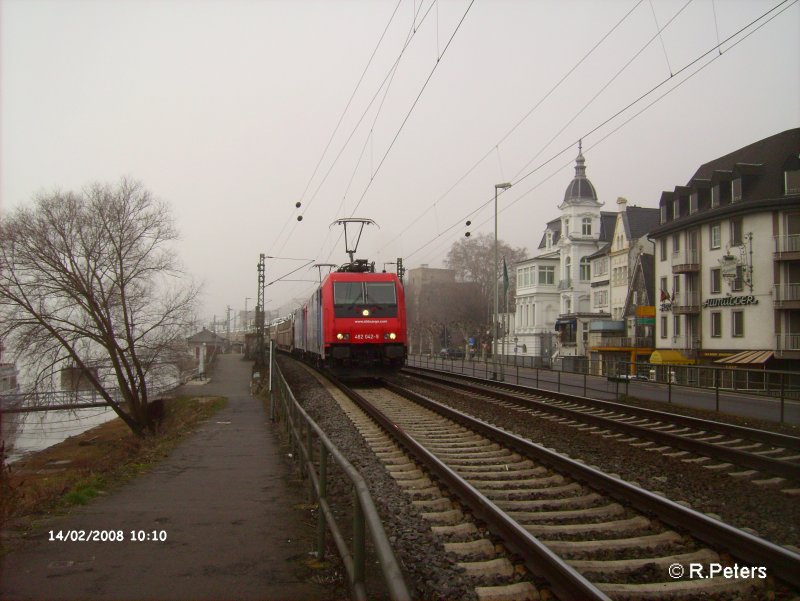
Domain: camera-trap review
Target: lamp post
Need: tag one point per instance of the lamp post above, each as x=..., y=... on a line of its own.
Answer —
x=503, y=186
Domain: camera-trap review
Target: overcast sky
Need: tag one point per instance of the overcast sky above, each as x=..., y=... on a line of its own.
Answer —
x=228, y=110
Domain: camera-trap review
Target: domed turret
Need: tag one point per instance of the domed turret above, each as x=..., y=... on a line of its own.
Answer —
x=580, y=188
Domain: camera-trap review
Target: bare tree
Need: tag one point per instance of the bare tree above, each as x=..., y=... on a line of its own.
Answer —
x=89, y=281
x=473, y=261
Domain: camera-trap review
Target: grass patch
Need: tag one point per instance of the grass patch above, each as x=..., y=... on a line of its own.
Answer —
x=82, y=467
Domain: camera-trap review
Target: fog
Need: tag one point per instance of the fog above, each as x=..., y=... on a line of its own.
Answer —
x=407, y=113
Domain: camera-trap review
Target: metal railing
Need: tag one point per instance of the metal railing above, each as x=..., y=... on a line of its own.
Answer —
x=621, y=342
x=304, y=436
x=592, y=377
x=787, y=342
x=787, y=243
x=786, y=292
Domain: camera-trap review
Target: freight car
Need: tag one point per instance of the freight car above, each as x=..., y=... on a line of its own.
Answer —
x=353, y=324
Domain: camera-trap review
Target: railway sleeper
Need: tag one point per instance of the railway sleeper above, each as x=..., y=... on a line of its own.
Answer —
x=599, y=568
x=604, y=511
x=505, y=474
x=648, y=542
x=516, y=484
x=677, y=589
x=628, y=525
x=548, y=504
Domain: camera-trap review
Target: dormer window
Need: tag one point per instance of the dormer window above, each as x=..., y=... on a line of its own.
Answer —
x=549, y=238
x=586, y=226
x=715, y=196
x=736, y=190
x=792, y=181
x=693, y=202
x=663, y=213
x=676, y=208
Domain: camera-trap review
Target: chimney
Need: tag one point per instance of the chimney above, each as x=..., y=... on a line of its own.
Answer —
x=621, y=204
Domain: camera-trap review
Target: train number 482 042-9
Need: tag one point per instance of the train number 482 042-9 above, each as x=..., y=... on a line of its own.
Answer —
x=366, y=337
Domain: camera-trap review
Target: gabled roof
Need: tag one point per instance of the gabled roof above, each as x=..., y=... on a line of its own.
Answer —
x=608, y=221
x=639, y=221
x=555, y=227
x=206, y=336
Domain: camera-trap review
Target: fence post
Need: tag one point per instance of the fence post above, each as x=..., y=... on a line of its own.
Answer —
x=716, y=389
x=782, y=399
x=669, y=388
x=584, y=383
x=323, y=496
x=559, y=380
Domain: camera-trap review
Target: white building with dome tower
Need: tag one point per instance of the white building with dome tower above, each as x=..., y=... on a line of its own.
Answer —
x=553, y=288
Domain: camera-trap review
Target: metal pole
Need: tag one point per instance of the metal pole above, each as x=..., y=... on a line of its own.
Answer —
x=782, y=399
x=494, y=271
x=359, y=553
x=716, y=389
x=323, y=495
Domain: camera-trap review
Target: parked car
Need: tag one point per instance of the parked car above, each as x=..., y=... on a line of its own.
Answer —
x=452, y=353
x=628, y=378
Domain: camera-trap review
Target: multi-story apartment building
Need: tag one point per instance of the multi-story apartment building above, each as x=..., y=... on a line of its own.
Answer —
x=728, y=259
x=553, y=288
x=622, y=285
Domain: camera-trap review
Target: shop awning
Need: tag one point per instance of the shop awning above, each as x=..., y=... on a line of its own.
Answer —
x=670, y=357
x=566, y=322
x=747, y=358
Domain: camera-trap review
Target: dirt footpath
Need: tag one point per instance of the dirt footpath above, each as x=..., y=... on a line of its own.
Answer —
x=225, y=502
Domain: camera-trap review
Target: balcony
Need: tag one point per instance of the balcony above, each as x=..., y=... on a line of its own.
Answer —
x=787, y=247
x=624, y=342
x=787, y=345
x=686, y=261
x=686, y=343
x=686, y=302
x=565, y=284
x=786, y=296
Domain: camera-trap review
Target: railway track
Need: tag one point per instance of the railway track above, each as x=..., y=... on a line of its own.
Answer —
x=591, y=536
x=766, y=458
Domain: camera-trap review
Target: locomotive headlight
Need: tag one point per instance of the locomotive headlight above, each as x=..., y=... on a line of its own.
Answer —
x=365, y=313
x=390, y=336
x=341, y=336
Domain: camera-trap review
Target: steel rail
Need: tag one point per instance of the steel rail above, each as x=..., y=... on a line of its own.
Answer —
x=783, y=563
x=567, y=582
x=771, y=465
x=765, y=436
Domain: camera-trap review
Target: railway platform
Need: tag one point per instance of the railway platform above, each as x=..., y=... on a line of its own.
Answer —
x=225, y=502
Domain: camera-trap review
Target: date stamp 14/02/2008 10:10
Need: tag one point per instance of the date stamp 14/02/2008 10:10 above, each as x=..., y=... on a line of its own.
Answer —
x=103, y=536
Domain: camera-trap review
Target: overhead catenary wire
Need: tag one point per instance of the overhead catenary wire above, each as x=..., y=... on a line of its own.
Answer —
x=718, y=46
x=522, y=120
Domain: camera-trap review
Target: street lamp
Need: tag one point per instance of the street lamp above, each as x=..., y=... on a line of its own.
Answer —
x=503, y=186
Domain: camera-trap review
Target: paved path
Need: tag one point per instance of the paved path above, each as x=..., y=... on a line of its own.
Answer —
x=223, y=497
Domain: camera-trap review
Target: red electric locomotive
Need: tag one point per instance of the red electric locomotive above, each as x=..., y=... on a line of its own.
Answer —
x=355, y=323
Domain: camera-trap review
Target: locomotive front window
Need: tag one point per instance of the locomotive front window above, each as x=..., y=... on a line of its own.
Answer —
x=351, y=299
x=381, y=293
x=348, y=293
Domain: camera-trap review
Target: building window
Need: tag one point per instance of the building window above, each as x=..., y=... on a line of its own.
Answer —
x=715, y=235
x=663, y=326
x=676, y=284
x=676, y=325
x=716, y=281
x=693, y=203
x=737, y=324
x=792, y=181
x=664, y=287
x=715, y=196
x=663, y=213
x=549, y=238
x=585, y=270
x=736, y=231
x=566, y=227
x=736, y=190
x=676, y=243
x=676, y=208
x=663, y=244
x=586, y=226
x=567, y=268
x=716, y=324
x=547, y=275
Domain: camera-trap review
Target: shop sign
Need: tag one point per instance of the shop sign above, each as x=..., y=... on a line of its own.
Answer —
x=730, y=301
